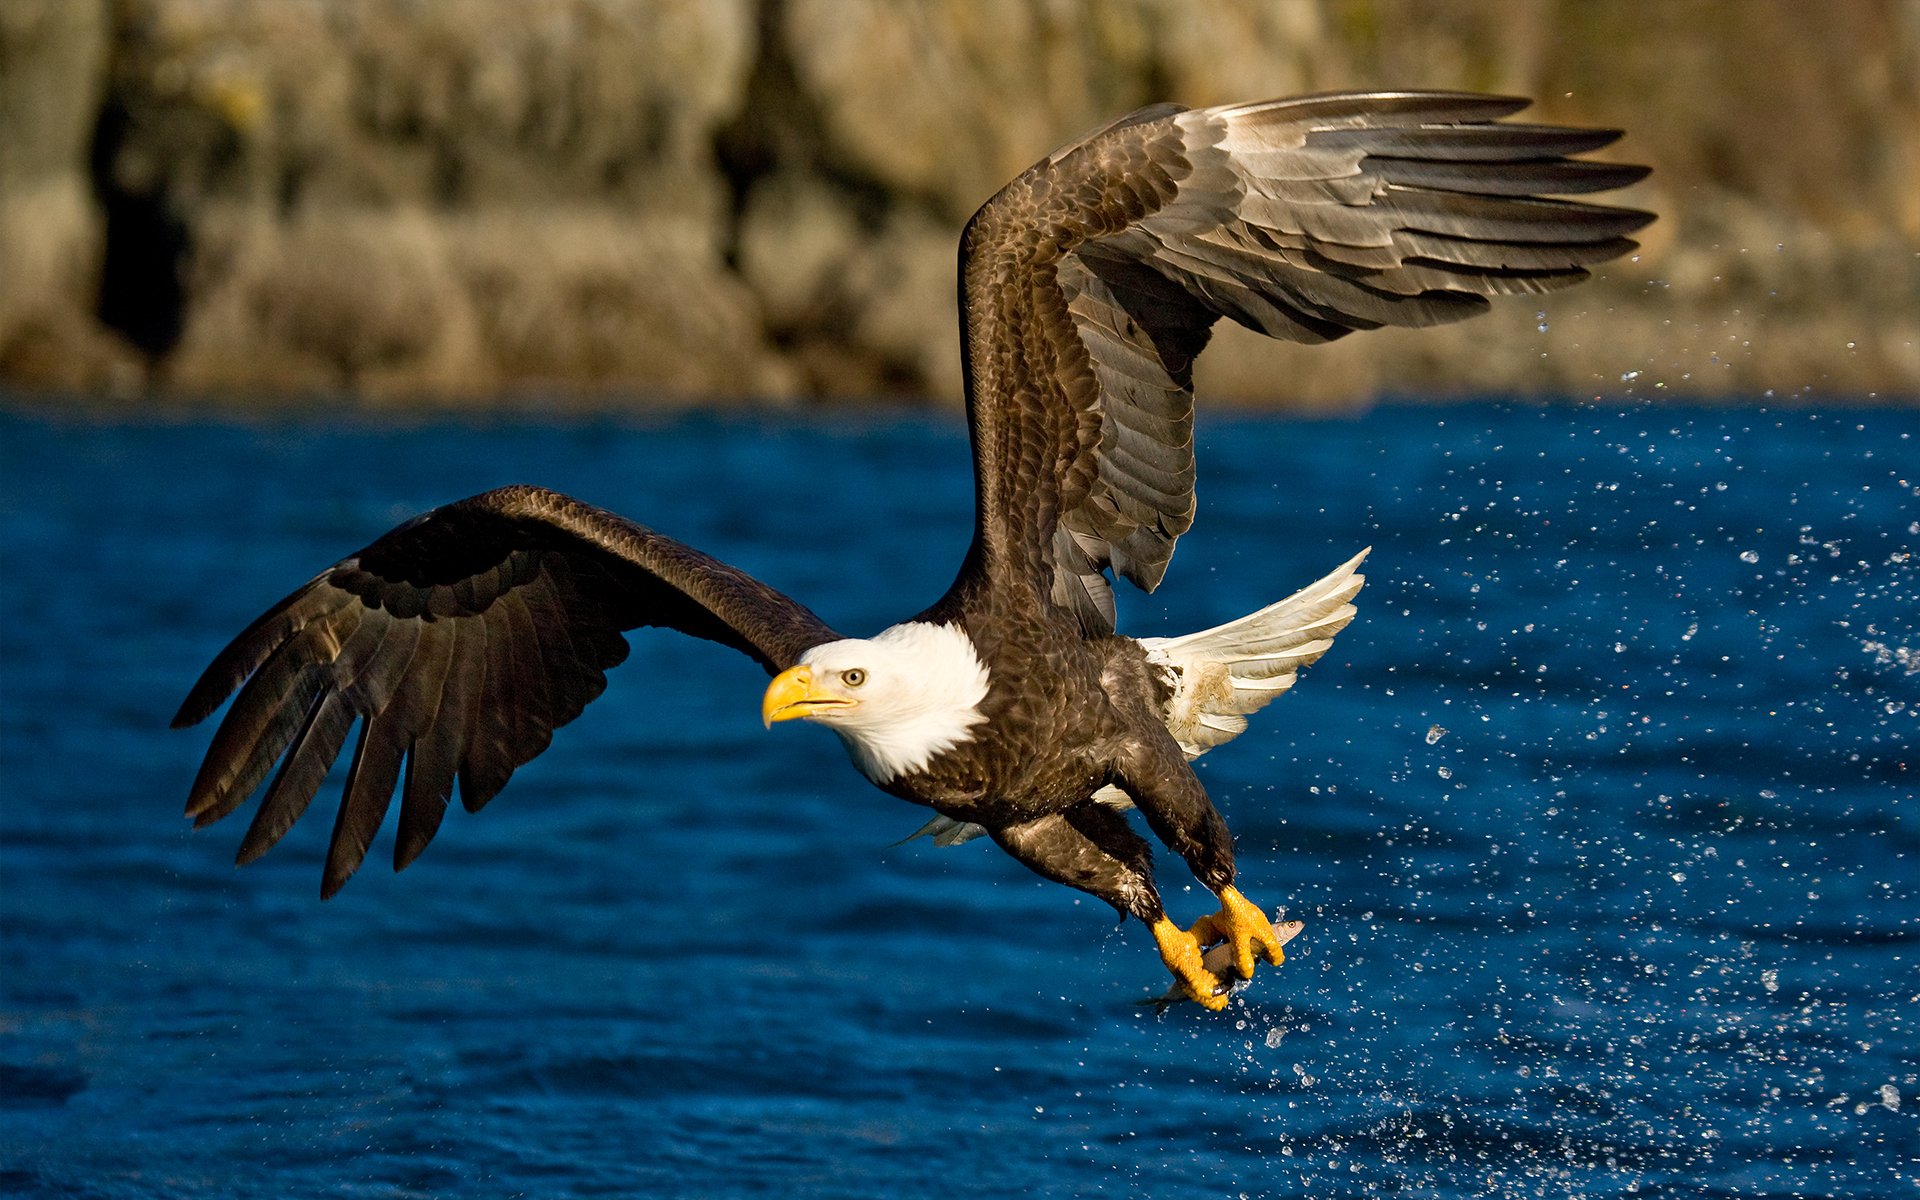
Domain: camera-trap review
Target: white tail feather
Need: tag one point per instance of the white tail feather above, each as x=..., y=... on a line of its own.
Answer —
x=1220, y=675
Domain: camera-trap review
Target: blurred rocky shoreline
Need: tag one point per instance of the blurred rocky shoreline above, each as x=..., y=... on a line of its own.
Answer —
x=628, y=202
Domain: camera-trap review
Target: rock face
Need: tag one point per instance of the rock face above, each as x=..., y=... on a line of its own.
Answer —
x=52, y=64
x=720, y=199
x=428, y=200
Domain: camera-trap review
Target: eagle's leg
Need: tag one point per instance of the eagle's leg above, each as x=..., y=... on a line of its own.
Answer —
x=1091, y=847
x=1176, y=806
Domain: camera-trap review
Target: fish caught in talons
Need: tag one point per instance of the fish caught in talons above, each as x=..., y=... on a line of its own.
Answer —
x=1218, y=961
x=1242, y=927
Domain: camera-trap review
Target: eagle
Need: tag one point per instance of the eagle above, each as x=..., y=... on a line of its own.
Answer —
x=1012, y=707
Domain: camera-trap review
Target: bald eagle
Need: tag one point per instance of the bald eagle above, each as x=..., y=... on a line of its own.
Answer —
x=461, y=640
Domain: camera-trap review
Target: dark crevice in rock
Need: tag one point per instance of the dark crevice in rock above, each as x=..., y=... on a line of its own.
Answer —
x=156, y=155
x=777, y=124
x=143, y=293
x=782, y=133
x=780, y=128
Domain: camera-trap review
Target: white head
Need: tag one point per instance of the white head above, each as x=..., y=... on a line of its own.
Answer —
x=896, y=699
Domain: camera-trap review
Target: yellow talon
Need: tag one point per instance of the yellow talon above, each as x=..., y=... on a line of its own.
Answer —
x=1241, y=923
x=1181, y=952
x=1209, y=930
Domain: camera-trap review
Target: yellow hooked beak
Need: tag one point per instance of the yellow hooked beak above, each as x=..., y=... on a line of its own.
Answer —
x=793, y=693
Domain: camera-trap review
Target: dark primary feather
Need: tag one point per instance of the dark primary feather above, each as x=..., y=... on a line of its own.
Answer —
x=459, y=642
x=1091, y=282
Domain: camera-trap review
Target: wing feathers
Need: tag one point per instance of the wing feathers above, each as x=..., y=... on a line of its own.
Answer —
x=392, y=694
x=1509, y=218
x=1373, y=110
x=530, y=702
x=488, y=763
x=459, y=642
x=1555, y=177
x=369, y=790
x=1437, y=250
x=1303, y=219
x=373, y=660
x=268, y=716
x=263, y=722
x=300, y=775
x=1469, y=143
x=440, y=738
x=247, y=651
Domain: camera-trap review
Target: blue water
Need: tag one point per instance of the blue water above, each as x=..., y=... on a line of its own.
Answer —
x=1601, y=817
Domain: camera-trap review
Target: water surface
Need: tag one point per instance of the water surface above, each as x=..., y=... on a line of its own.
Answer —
x=1601, y=817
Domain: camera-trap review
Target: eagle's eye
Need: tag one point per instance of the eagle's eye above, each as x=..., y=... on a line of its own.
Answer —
x=854, y=677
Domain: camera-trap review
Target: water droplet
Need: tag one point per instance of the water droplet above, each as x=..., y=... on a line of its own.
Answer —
x=1749, y=556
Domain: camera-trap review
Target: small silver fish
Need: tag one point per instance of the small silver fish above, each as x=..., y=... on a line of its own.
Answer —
x=1218, y=960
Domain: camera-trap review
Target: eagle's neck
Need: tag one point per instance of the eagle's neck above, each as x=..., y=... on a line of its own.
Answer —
x=936, y=710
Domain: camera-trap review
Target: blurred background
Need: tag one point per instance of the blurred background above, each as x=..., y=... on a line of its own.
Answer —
x=629, y=203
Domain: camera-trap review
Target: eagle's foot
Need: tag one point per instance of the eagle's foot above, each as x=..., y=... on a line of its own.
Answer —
x=1241, y=924
x=1181, y=952
x=1209, y=930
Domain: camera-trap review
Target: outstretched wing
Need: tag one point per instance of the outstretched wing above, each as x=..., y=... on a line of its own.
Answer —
x=460, y=641
x=1092, y=281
